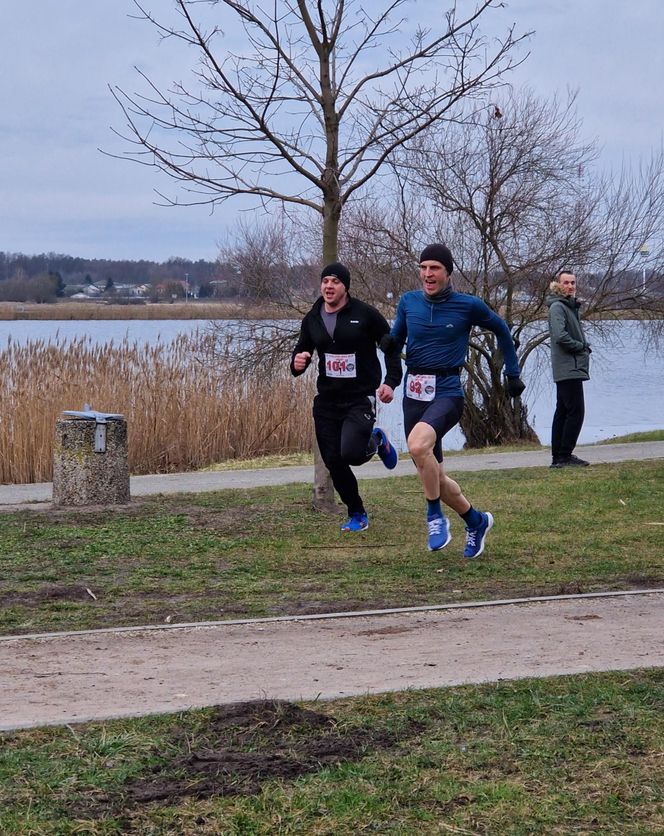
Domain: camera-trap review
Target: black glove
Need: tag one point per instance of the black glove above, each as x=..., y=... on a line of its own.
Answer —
x=515, y=386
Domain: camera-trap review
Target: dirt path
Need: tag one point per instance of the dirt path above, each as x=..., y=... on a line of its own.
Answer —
x=73, y=678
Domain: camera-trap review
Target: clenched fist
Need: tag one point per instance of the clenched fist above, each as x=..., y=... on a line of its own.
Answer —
x=301, y=361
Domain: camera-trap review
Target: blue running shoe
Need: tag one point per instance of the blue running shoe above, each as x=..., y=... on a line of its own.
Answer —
x=386, y=453
x=439, y=533
x=475, y=537
x=356, y=522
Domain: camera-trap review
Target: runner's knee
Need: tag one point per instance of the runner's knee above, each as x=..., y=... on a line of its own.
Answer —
x=420, y=445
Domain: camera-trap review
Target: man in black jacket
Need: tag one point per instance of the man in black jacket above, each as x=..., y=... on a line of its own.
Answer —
x=345, y=333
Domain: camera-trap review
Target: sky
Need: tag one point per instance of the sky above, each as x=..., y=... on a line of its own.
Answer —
x=59, y=193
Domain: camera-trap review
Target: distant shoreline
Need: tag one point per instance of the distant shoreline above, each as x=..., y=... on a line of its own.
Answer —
x=194, y=309
x=206, y=309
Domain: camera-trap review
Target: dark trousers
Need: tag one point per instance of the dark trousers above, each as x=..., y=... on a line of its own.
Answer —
x=343, y=432
x=568, y=418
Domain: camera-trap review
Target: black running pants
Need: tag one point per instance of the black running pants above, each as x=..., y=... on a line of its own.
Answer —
x=343, y=432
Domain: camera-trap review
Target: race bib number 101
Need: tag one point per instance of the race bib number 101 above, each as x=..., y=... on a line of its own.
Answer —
x=421, y=387
x=340, y=365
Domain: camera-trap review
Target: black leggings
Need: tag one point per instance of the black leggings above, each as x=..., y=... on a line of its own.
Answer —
x=568, y=418
x=343, y=432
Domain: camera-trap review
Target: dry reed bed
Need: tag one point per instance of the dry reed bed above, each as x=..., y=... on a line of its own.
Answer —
x=186, y=403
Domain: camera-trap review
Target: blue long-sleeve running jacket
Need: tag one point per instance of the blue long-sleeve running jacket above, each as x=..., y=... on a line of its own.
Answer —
x=436, y=335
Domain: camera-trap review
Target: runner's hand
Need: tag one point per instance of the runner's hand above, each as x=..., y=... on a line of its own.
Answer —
x=385, y=393
x=515, y=386
x=301, y=361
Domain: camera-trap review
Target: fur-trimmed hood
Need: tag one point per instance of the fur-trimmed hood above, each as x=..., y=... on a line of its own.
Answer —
x=557, y=294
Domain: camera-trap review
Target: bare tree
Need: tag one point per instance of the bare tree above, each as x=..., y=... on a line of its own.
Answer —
x=271, y=259
x=319, y=98
x=378, y=239
x=268, y=257
x=517, y=194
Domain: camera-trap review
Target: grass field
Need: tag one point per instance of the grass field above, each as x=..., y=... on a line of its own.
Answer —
x=579, y=754
x=565, y=755
x=265, y=552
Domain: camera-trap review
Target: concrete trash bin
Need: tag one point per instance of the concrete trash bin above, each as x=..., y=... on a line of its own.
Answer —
x=90, y=463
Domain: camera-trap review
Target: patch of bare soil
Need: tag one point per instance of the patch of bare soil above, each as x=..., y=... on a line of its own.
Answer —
x=87, y=514
x=45, y=594
x=246, y=744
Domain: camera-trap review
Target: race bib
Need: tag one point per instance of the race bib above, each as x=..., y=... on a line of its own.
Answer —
x=340, y=365
x=421, y=387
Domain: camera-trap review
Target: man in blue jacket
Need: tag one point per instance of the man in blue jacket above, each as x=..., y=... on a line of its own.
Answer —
x=345, y=334
x=434, y=325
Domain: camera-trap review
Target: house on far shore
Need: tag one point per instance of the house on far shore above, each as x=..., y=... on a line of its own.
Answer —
x=98, y=290
x=82, y=291
x=172, y=289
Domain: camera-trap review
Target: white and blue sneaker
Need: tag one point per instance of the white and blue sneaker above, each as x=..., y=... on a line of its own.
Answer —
x=438, y=529
x=386, y=453
x=475, y=537
x=356, y=522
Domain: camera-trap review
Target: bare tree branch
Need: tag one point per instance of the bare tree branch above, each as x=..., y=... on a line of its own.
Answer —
x=308, y=99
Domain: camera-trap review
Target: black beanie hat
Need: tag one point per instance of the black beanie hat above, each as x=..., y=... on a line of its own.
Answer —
x=339, y=270
x=439, y=253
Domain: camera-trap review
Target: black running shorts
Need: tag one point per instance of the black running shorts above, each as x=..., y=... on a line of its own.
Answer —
x=442, y=414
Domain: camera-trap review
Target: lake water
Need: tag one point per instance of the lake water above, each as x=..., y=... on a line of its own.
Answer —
x=625, y=393
x=98, y=330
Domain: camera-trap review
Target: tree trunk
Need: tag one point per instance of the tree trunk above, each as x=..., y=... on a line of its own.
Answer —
x=495, y=420
x=323, y=495
x=331, y=218
x=323, y=490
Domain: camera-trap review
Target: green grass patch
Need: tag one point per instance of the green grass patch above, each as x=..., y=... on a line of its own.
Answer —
x=653, y=435
x=265, y=552
x=579, y=754
x=260, y=462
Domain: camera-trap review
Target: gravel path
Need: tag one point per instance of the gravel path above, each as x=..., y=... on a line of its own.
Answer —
x=71, y=678
x=218, y=480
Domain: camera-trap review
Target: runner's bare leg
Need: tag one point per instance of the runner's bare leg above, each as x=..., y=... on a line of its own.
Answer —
x=434, y=480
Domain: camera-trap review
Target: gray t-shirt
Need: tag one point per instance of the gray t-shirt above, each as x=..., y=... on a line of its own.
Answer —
x=329, y=320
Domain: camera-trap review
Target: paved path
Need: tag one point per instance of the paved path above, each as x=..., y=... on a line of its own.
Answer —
x=72, y=678
x=221, y=480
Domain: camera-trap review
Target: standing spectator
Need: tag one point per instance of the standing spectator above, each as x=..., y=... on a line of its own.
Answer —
x=345, y=333
x=570, y=362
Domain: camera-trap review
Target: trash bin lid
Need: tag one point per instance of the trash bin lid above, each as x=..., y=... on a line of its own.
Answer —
x=92, y=415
